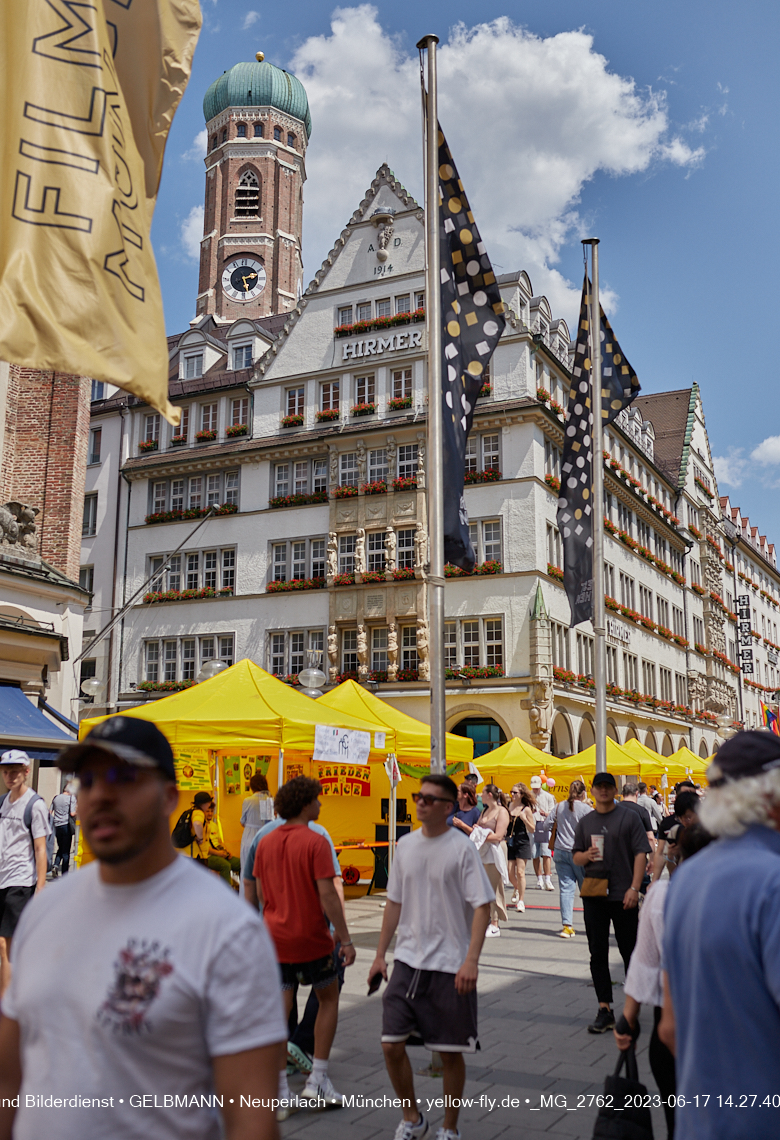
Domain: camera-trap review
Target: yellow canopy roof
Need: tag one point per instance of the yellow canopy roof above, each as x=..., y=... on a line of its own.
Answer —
x=691, y=761
x=651, y=763
x=516, y=756
x=619, y=761
x=245, y=705
x=412, y=737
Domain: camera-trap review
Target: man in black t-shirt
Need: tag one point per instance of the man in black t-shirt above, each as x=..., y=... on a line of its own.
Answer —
x=612, y=846
x=629, y=800
x=686, y=807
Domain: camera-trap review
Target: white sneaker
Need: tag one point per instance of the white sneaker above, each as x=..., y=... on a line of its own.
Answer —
x=492, y=931
x=448, y=1134
x=407, y=1131
x=286, y=1111
x=520, y=905
x=540, y=883
x=548, y=886
x=321, y=1094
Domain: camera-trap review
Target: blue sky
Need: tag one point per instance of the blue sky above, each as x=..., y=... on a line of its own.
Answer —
x=650, y=125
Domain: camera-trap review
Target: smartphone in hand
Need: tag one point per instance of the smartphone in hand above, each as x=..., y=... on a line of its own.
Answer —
x=374, y=984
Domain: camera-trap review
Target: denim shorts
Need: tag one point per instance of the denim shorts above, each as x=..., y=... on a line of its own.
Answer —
x=318, y=974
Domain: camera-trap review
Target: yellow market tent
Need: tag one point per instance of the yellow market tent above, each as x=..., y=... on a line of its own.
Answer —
x=412, y=737
x=652, y=765
x=619, y=761
x=517, y=761
x=695, y=764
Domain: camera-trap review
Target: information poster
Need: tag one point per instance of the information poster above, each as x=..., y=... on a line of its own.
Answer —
x=344, y=779
x=347, y=745
x=239, y=768
x=193, y=768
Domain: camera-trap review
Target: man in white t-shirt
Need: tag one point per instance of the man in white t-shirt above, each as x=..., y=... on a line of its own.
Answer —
x=172, y=1001
x=540, y=849
x=438, y=901
x=24, y=825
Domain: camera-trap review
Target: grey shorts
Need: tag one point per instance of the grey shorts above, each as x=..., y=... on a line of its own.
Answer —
x=423, y=1007
x=540, y=850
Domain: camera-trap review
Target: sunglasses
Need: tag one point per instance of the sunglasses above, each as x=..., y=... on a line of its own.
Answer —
x=117, y=774
x=429, y=800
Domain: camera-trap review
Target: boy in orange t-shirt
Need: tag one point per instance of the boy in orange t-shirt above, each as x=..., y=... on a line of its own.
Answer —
x=294, y=875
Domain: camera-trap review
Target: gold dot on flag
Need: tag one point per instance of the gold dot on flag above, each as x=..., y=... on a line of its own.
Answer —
x=453, y=328
x=466, y=237
x=585, y=493
x=578, y=514
x=586, y=364
x=616, y=405
x=454, y=205
x=446, y=171
x=475, y=368
x=617, y=358
x=441, y=139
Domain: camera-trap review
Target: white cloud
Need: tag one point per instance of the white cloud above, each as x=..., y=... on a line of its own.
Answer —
x=767, y=452
x=730, y=468
x=197, y=151
x=530, y=122
x=250, y=19
x=191, y=232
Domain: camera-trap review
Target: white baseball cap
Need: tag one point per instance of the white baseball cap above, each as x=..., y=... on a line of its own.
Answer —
x=15, y=756
x=536, y=781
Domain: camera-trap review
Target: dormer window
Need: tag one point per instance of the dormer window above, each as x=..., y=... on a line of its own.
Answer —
x=248, y=196
x=277, y=134
x=242, y=356
x=193, y=366
x=241, y=130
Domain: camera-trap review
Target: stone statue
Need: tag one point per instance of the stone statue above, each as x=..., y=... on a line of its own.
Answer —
x=333, y=652
x=392, y=651
x=333, y=465
x=423, y=665
x=360, y=551
x=392, y=451
x=420, y=547
x=540, y=714
x=360, y=449
x=362, y=651
x=421, y=460
x=18, y=532
x=384, y=235
x=333, y=555
x=390, y=547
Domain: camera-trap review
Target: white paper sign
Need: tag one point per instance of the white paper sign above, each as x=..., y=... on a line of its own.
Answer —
x=379, y=740
x=341, y=745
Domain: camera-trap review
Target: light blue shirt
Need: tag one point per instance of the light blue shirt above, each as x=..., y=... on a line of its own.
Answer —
x=249, y=864
x=722, y=954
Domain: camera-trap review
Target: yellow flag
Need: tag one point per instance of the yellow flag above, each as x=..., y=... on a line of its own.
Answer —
x=90, y=92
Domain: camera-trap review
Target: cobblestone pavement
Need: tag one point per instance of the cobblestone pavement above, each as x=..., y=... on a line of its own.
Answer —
x=535, y=1001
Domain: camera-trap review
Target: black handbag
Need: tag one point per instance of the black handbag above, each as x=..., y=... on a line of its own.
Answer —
x=624, y=1115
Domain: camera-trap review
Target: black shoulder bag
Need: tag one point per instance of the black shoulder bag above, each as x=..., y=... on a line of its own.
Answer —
x=624, y=1115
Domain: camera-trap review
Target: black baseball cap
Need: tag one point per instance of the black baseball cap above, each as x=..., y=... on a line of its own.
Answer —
x=745, y=754
x=133, y=740
x=604, y=778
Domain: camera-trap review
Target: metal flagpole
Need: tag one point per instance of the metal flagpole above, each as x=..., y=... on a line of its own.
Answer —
x=434, y=473
x=599, y=623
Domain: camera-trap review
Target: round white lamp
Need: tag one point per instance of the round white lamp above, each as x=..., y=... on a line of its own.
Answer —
x=209, y=670
x=91, y=686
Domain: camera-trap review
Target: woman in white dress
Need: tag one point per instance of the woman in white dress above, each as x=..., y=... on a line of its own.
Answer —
x=256, y=811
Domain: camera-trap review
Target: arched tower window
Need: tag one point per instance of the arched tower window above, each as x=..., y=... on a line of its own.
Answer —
x=248, y=196
x=241, y=130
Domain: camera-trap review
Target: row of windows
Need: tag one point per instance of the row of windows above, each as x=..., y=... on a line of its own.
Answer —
x=193, y=361
x=252, y=130
x=364, y=392
x=369, y=310
x=644, y=676
x=204, y=417
x=304, y=475
x=180, y=659
x=195, y=570
x=194, y=492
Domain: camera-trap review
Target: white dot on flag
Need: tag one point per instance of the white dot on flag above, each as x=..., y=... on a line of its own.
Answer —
x=466, y=405
x=448, y=398
x=490, y=328
x=578, y=409
x=566, y=532
x=580, y=458
x=571, y=431
x=480, y=297
x=463, y=423
x=571, y=483
x=583, y=387
x=472, y=268
x=452, y=375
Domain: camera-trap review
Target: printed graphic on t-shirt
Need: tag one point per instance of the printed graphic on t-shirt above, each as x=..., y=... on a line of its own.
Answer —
x=139, y=969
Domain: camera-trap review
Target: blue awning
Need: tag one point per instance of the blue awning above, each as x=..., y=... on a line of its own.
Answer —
x=24, y=726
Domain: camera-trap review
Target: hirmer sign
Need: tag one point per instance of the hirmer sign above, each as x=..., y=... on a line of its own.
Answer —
x=374, y=346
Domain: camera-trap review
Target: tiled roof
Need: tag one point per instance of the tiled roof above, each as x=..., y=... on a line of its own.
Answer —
x=668, y=413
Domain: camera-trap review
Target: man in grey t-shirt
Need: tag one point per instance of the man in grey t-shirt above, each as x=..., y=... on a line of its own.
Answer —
x=63, y=813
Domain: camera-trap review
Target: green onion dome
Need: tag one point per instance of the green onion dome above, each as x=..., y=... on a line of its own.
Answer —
x=258, y=84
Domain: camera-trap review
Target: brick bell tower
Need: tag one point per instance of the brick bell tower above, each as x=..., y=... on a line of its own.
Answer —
x=258, y=123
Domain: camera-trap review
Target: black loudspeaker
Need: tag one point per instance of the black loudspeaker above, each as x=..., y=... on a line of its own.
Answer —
x=400, y=811
x=381, y=835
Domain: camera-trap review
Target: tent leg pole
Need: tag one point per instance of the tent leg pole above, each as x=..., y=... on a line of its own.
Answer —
x=280, y=773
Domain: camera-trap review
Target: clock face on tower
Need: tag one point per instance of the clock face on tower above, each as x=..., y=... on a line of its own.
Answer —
x=243, y=279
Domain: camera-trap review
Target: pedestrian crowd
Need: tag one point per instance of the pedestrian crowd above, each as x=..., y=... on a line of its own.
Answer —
x=175, y=984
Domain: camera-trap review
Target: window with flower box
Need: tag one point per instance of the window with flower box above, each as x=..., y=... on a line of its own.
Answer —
x=376, y=550
x=644, y=534
x=665, y=681
x=403, y=303
x=470, y=638
x=490, y=460
x=377, y=465
x=345, y=315
x=195, y=570
x=175, y=659
x=295, y=401
x=348, y=469
x=482, y=453
x=287, y=650
x=625, y=518
x=183, y=430
x=379, y=649
x=384, y=308
x=419, y=300
x=648, y=678
x=662, y=609
x=627, y=595
x=152, y=428
x=159, y=495
x=208, y=417
x=297, y=477
x=194, y=492
x=402, y=382
x=239, y=411
x=409, y=659
x=329, y=396
x=560, y=645
x=347, y=553
x=349, y=653
x=612, y=665
x=407, y=460
x=630, y=672
x=554, y=546
x=365, y=389
x=681, y=688
x=695, y=573
x=298, y=558
x=485, y=537
x=404, y=551
x=364, y=311
x=450, y=644
x=609, y=578
x=584, y=655
x=698, y=631
x=646, y=602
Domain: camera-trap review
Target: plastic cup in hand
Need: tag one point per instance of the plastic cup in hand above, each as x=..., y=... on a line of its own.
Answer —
x=598, y=842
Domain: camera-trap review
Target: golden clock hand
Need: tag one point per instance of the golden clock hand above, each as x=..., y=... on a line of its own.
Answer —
x=244, y=279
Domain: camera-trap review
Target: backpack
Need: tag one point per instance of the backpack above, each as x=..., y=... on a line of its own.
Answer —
x=27, y=820
x=182, y=834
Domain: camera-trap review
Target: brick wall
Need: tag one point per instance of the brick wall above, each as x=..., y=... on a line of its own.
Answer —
x=45, y=457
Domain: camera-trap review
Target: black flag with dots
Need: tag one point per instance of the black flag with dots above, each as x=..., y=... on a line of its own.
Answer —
x=619, y=386
x=472, y=322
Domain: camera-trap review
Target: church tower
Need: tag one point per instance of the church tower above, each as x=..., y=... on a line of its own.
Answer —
x=258, y=123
